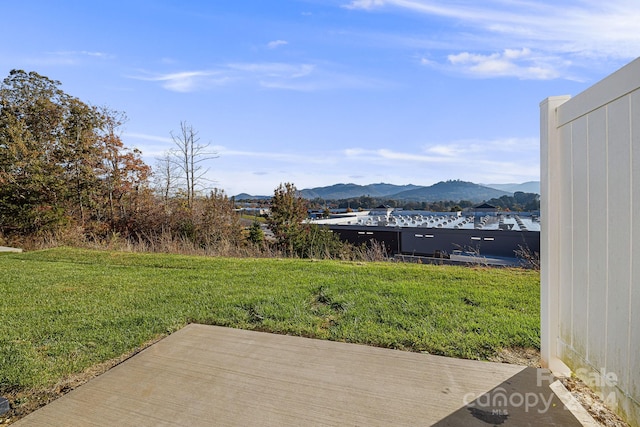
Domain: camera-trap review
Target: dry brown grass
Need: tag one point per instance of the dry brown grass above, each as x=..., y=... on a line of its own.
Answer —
x=165, y=242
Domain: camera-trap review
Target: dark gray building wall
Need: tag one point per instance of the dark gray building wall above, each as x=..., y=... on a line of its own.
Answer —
x=502, y=243
x=430, y=241
x=359, y=235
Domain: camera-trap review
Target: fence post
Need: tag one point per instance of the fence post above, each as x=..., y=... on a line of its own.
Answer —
x=550, y=199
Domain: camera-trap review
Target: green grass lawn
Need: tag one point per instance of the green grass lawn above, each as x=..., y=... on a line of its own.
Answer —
x=64, y=310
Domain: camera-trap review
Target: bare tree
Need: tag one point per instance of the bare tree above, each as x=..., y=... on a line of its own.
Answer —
x=165, y=176
x=189, y=156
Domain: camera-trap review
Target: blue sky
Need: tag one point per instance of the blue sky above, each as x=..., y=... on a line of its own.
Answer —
x=319, y=92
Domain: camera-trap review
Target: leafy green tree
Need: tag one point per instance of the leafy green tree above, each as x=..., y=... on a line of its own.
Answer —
x=79, y=157
x=528, y=201
x=122, y=173
x=320, y=242
x=215, y=219
x=62, y=161
x=256, y=235
x=288, y=211
x=294, y=235
x=34, y=116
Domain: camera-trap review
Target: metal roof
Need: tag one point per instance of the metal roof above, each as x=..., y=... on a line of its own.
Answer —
x=467, y=220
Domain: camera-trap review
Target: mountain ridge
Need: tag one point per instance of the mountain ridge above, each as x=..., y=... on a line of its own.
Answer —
x=350, y=190
x=455, y=190
x=525, y=187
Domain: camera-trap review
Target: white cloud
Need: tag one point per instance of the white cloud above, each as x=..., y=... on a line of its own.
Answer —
x=494, y=148
x=446, y=150
x=428, y=62
x=147, y=137
x=386, y=156
x=440, y=8
x=284, y=157
x=275, y=69
x=500, y=160
x=57, y=58
x=589, y=32
x=152, y=146
x=364, y=4
x=83, y=53
x=443, y=152
x=265, y=74
x=269, y=75
x=188, y=81
x=277, y=43
x=519, y=63
x=298, y=77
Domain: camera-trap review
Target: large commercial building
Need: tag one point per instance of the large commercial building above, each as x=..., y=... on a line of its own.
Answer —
x=482, y=232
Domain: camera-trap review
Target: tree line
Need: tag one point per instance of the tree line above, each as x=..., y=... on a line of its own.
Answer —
x=65, y=171
x=66, y=177
x=520, y=201
x=62, y=161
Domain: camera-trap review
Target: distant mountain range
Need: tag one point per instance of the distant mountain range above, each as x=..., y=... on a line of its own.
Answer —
x=525, y=187
x=446, y=190
x=348, y=191
x=245, y=196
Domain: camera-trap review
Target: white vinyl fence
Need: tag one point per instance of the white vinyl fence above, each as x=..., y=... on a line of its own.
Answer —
x=590, y=237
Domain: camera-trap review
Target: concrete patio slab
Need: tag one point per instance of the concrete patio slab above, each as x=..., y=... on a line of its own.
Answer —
x=209, y=375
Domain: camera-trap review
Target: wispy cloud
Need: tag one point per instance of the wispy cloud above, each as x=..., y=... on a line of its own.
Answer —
x=274, y=69
x=267, y=75
x=499, y=160
x=82, y=53
x=493, y=148
x=58, y=58
x=521, y=63
x=147, y=137
x=384, y=154
x=284, y=157
x=585, y=30
x=187, y=81
x=277, y=43
x=152, y=146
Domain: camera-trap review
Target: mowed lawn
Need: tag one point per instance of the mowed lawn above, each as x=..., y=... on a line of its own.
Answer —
x=64, y=310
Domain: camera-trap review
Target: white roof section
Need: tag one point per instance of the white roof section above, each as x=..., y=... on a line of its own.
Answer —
x=447, y=220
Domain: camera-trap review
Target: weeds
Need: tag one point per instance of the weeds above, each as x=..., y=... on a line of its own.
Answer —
x=528, y=258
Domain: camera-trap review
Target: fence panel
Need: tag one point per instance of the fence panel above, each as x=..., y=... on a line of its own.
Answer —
x=590, y=240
